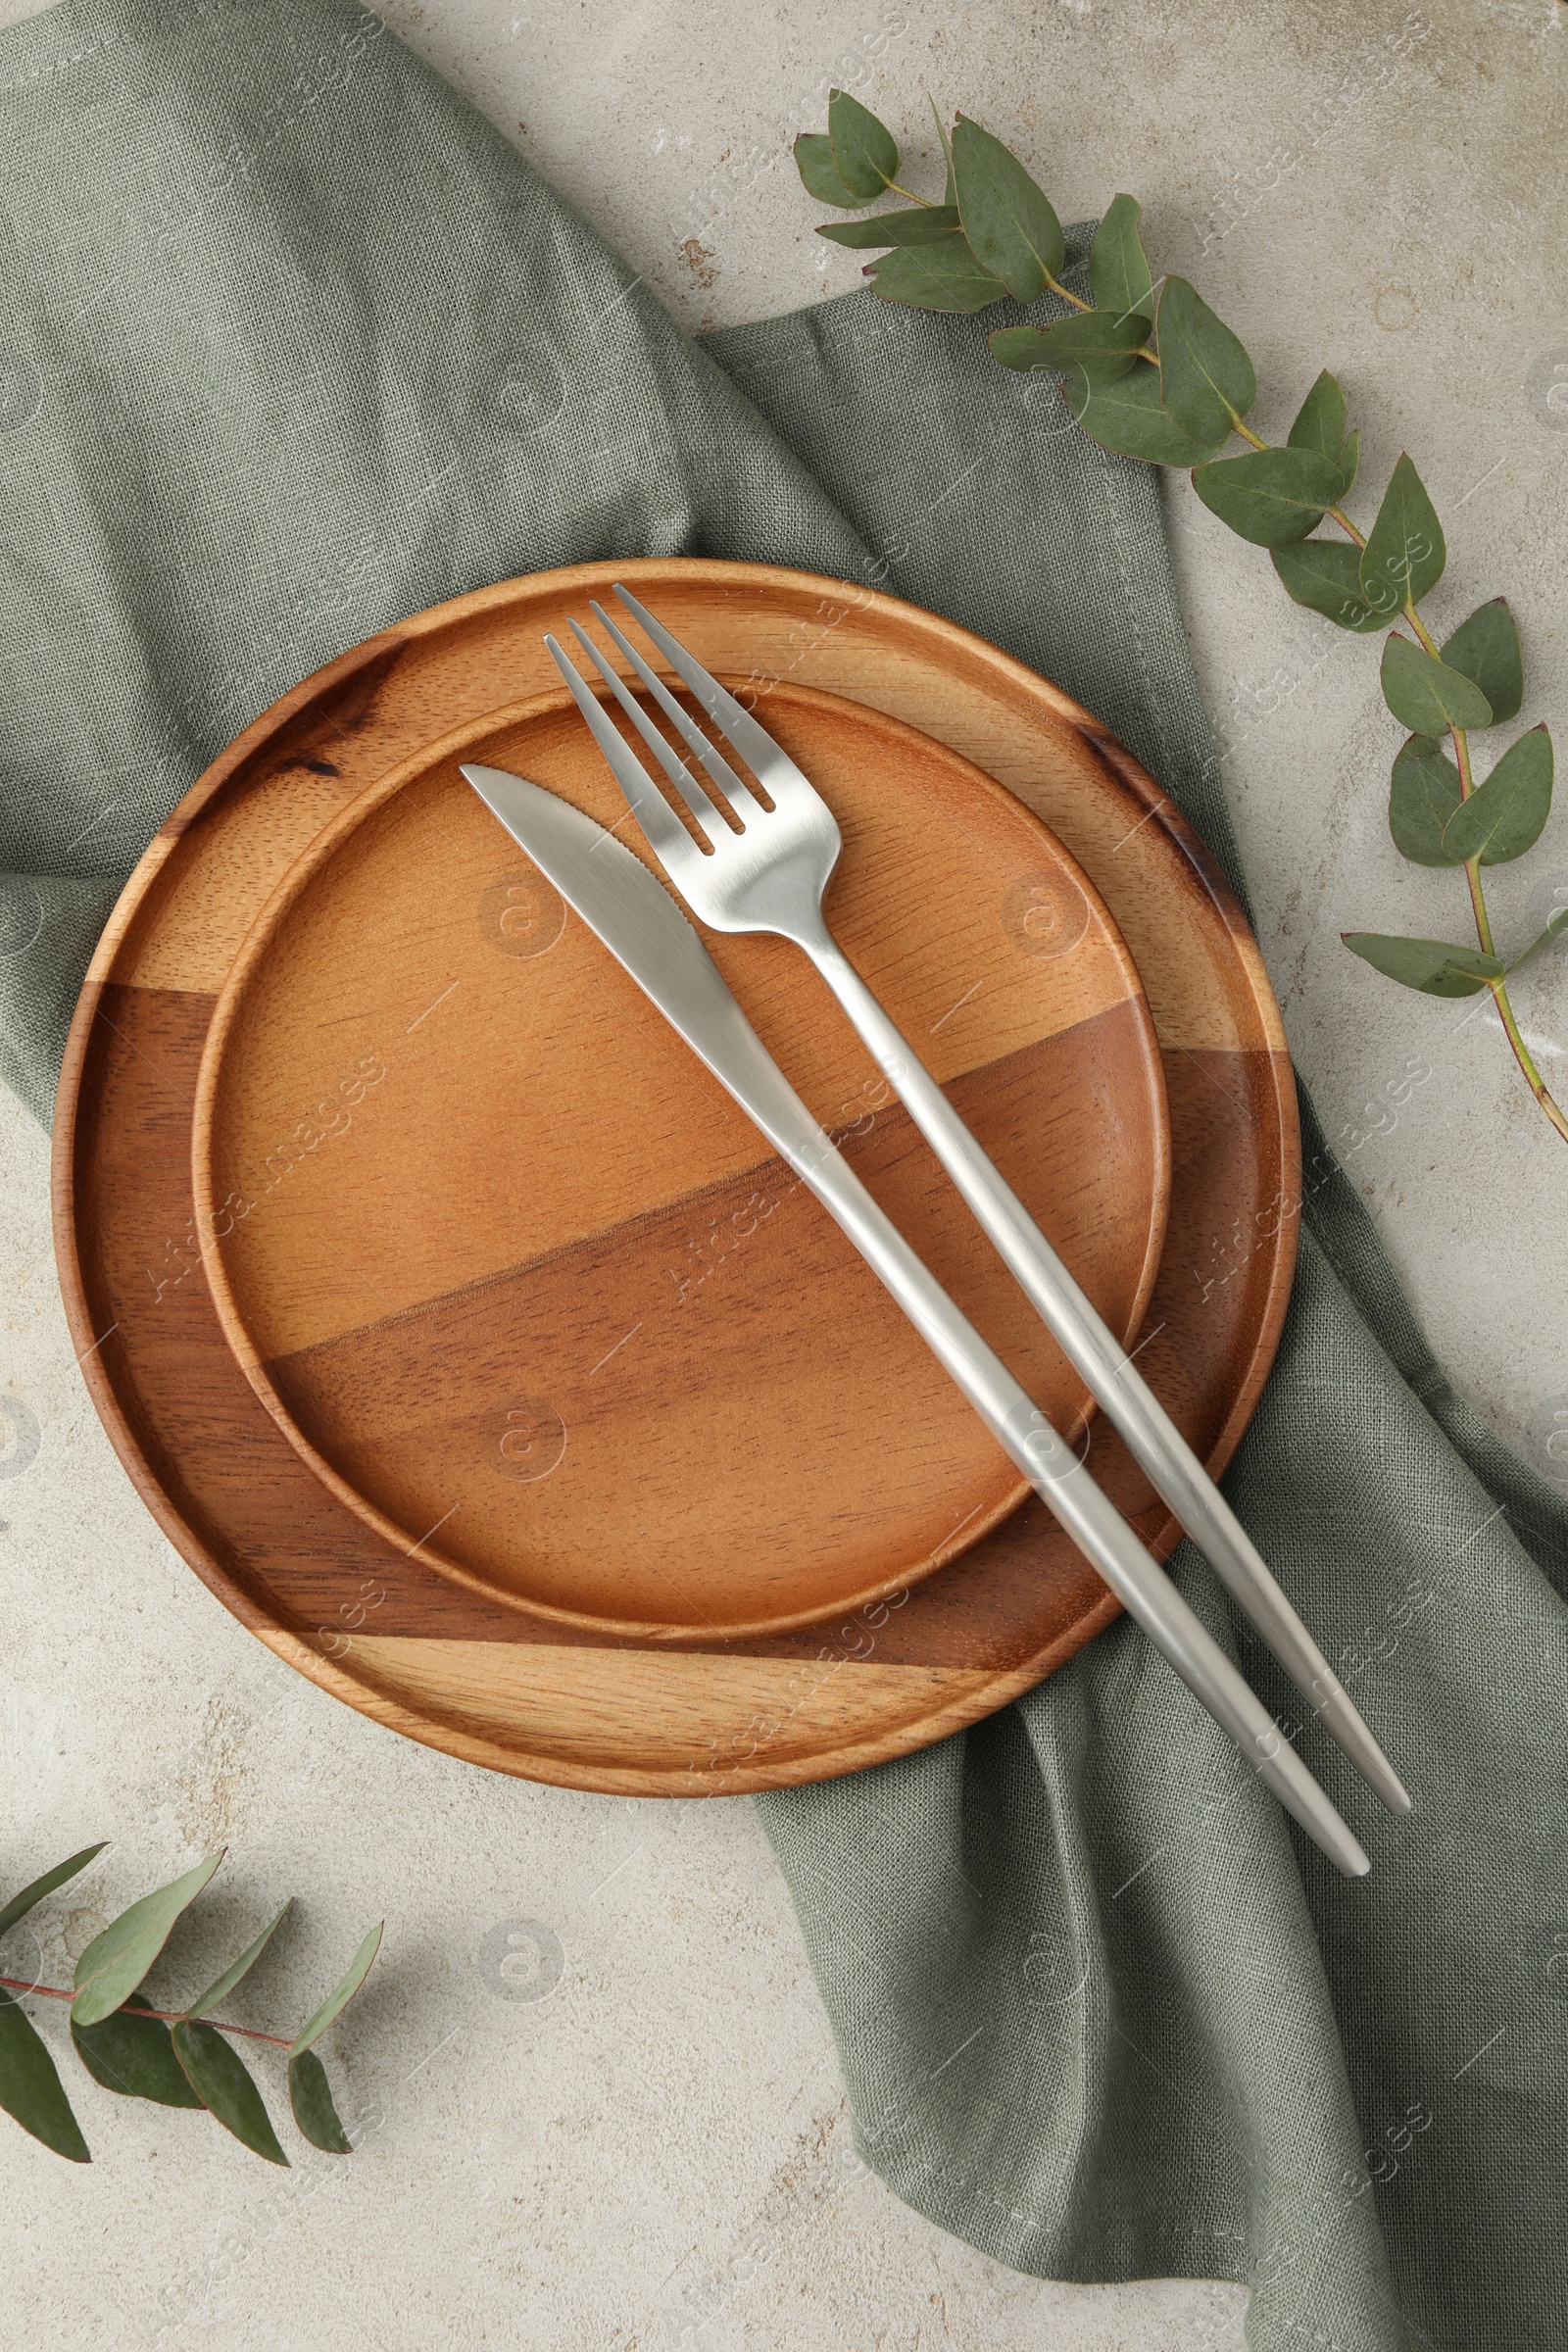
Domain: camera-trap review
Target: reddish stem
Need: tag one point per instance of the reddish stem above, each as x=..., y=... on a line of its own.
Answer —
x=169, y=2017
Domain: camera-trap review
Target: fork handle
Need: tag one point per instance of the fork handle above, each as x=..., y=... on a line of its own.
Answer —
x=1093, y=1350
x=1060, y=1479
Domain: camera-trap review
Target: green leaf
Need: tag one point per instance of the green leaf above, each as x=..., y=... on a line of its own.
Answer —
x=218, y=2074
x=1129, y=417
x=1007, y=219
x=1093, y=343
x=1320, y=427
x=1271, y=496
x=1350, y=463
x=1323, y=575
x=864, y=150
x=226, y=1984
x=921, y=224
x=310, y=2097
x=1503, y=816
x=20, y=1904
x=1405, y=554
x=814, y=160
x=133, y=2055
x=338, y=1999
x=1544, y=939
x=945, y=276
x=1432, y=965
x=1320, y=424
x=1485, y=647
x=1206, y=379
x=950, y=194
x=31, y=2088
x=1425, y=695
x=1119, y=276
x=115, y=1963
x=1424, y=791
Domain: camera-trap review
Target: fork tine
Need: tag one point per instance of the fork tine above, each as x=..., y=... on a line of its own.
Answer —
x=667, y=837
x=674, y=767
x=753, y=741
x=734, y=787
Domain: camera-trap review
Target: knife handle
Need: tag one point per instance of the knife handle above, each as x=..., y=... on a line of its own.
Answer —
x=1060, y=1479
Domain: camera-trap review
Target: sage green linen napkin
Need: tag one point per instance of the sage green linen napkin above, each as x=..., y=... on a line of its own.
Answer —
x=296, y=345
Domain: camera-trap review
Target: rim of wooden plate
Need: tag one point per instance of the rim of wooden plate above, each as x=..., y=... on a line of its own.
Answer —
x=951, y=646
x=229, y=1008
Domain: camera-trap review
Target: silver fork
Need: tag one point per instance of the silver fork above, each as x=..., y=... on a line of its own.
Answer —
x=771, y=875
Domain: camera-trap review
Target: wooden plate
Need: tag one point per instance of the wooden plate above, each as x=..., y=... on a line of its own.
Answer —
x=386, y=1631
x=477, y=1284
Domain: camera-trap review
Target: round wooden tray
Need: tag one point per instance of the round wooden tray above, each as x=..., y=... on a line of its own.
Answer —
x=382, y=1628
x=477, y=1285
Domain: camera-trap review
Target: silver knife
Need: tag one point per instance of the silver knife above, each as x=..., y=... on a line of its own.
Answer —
x=632, y=911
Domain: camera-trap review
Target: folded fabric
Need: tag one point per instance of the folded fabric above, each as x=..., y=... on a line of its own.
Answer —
x=295, y=345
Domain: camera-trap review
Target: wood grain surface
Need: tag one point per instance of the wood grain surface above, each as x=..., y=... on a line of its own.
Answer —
x=526, y=1288
x=462, y=1669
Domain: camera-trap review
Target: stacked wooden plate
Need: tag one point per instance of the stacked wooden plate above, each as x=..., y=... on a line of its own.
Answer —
x=465, y=1337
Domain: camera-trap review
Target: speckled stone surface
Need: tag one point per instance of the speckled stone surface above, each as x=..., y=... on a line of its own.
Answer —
x=599, y=2098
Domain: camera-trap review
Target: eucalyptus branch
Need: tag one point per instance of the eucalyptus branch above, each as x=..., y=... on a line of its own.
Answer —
x=1149, y=371
x=174, y=2057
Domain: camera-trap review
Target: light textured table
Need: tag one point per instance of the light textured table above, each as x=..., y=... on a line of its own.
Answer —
x=612, y=2116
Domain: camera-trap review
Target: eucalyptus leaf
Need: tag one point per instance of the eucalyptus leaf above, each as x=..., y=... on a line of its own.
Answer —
x=1424, y=791
x=338, y=1999
x=945, y=276
x=1099, y=347
x=1350, y=463
x=819, y=173
x=1321, y=420
x=31, y=2088
x=1007, y=217
x=864, y=150
x=921, y=224
x=226, y=1984
x=1432, y=965
x=133, y=2055
x=310, y=2097
x=1206, y=379
x=1320, y=427
x=1485, y=647
x=219, y=2075
x=1404, y=555
x=1505, y=817
x=1324, y=575
x=1555, y=929
x=115, y=1963
x=950, y=194
x=20, y=1904
x=1270, y=496
x=1129, y=417
x=1120, y=275
x=1425, y=695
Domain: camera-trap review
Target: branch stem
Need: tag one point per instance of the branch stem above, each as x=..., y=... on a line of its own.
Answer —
x=1427, y=639
x=1478, y=908
x=1526, y=1059
x=169, y=2017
